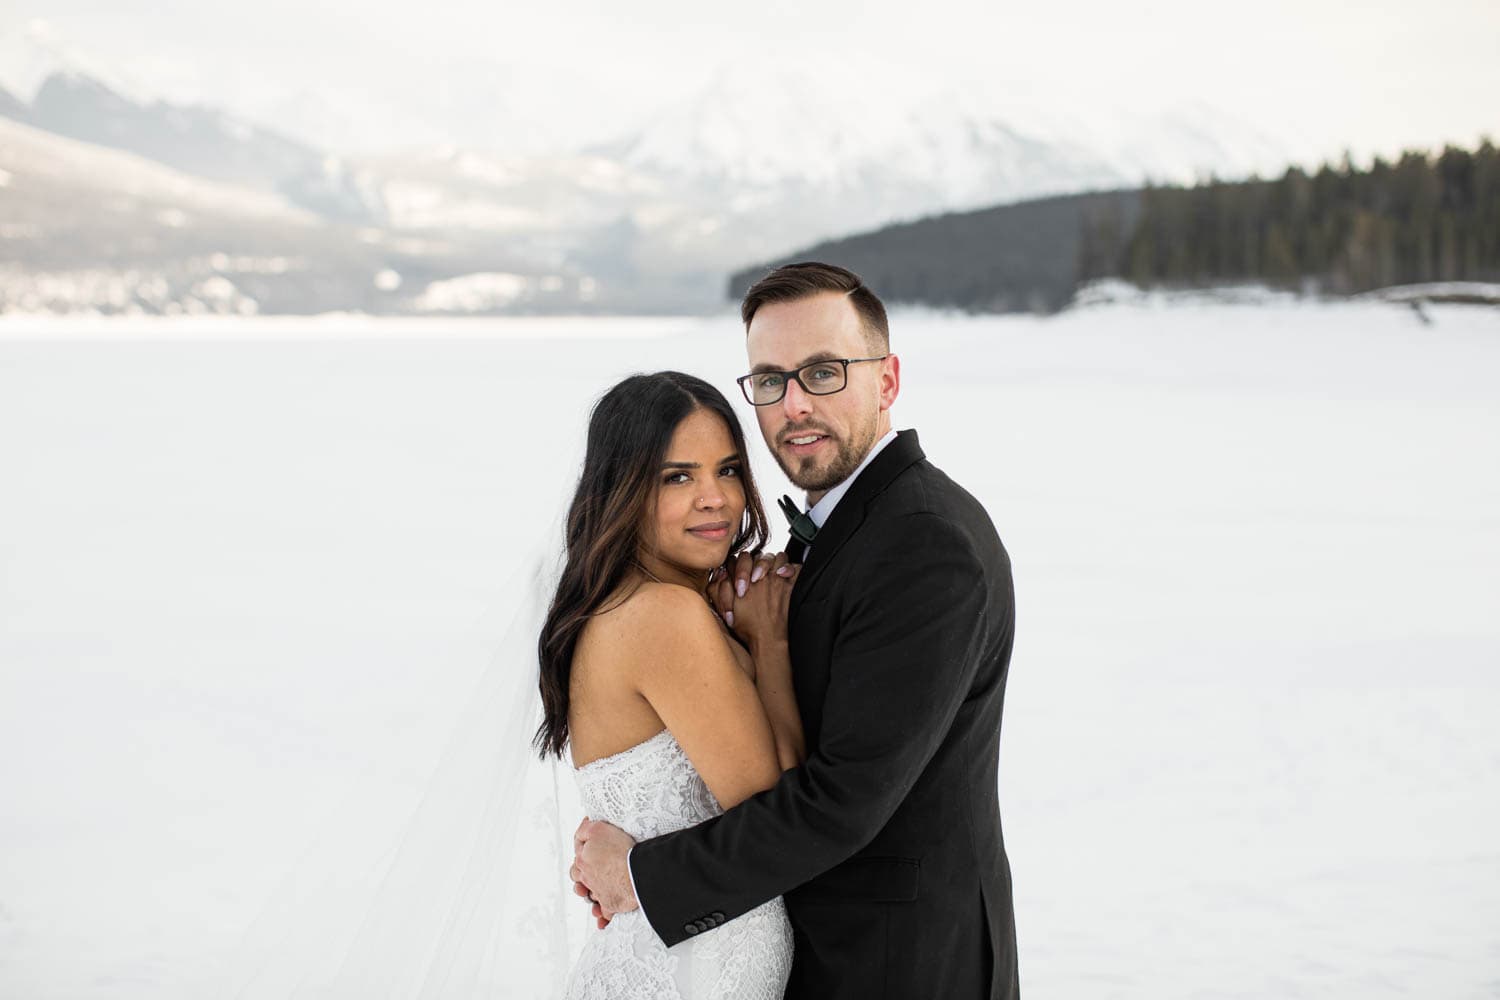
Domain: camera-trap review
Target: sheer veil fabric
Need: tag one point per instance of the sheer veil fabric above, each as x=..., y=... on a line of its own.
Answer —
x=447, y=887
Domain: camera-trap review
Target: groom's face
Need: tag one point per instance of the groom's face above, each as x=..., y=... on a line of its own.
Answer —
x=819, y=440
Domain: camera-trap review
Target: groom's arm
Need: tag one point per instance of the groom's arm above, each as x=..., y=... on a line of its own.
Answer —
x=902, y=663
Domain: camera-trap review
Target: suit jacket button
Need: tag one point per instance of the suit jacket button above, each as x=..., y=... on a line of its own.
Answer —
x=689, y=928
x=702, y=924
x=717, y=916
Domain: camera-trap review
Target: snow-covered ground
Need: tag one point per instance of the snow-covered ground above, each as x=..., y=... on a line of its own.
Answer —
x=255, y=575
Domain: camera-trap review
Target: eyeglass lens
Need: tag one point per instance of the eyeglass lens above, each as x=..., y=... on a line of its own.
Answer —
x=819, y=378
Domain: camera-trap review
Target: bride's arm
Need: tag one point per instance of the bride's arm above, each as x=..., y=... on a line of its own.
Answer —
x=760, y=618
x=667, y=642
x=773, y=682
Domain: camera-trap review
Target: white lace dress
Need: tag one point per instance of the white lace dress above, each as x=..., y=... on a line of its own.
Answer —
x=648, y=790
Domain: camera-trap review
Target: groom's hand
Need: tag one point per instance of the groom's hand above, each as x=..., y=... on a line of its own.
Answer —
x=601, y=870
x=579, y=889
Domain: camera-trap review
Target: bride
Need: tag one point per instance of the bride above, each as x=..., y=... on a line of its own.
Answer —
x=669, y=717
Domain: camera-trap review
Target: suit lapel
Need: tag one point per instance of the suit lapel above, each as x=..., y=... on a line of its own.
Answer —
x=849, y=514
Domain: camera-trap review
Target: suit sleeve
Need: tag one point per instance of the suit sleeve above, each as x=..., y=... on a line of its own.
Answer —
x=902, y=663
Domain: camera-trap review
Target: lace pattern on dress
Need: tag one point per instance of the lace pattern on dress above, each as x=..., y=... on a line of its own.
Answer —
x=648, y=790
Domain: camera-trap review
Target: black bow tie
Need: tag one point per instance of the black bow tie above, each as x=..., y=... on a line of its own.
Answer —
x=804, y=528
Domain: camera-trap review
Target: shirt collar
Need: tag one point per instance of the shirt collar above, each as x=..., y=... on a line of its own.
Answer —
x=819, y=511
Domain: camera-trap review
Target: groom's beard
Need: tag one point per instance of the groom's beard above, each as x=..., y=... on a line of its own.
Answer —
x=807, y=474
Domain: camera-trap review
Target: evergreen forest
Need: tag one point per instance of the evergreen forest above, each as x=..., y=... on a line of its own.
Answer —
x=1340, y=230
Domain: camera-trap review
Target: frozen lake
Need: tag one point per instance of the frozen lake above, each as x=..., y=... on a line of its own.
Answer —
x=251, y=573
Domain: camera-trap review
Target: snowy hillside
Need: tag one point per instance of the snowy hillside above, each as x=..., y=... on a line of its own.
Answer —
x=84, y=228
x=38, y=161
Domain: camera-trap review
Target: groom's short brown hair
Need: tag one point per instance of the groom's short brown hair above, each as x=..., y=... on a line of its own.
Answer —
x=791, y=282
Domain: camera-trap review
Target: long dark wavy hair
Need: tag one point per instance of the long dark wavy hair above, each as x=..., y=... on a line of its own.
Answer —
x=630, y=430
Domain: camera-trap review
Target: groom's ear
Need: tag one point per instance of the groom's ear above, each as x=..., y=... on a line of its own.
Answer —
x=890, y=381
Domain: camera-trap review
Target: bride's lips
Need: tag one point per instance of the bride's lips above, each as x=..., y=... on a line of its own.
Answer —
x=713, y=531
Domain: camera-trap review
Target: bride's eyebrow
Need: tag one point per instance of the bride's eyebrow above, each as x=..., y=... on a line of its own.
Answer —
x=694, y=465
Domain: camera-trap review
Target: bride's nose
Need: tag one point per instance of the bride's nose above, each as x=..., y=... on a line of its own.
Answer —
x=712, y=500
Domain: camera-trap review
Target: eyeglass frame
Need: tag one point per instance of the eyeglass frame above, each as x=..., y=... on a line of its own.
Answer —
x=795, y=375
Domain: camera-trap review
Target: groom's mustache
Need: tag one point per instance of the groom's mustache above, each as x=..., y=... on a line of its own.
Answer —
x=793, y=430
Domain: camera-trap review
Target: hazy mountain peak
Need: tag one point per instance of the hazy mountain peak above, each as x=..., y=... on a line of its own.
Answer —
x=204, y=141
x=12, y=106
x=748, y=128
x=837, y=124
x=36, y=53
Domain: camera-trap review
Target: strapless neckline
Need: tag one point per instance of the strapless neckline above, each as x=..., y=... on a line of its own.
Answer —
x=598, y=761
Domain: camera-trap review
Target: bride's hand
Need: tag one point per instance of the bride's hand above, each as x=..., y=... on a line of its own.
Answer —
x=724, y=581
x=721, y=593
x=762, y=593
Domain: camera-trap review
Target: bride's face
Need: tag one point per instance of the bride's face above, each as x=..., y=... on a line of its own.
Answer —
x=700, y=499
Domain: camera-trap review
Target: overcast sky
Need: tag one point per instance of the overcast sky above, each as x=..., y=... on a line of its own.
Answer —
x=1373, y=76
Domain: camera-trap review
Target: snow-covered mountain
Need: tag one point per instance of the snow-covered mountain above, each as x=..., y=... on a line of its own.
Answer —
x=1180, y=144
x=100, y=178
x=963, y=143
x=757, y=132
x=12, y=106
x=204, y=141
x=759, y=165
x=95, y=228
x=88, y=228
x=35, y=52
x=745, y=168
x=51, y=84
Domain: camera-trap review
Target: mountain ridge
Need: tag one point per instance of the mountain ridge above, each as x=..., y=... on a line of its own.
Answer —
x=649, y=221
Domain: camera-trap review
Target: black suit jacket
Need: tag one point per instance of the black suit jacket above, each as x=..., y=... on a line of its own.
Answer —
x=886, y=842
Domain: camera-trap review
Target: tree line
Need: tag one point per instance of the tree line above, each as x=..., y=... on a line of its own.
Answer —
x=1340, y=230
x=1021, y=257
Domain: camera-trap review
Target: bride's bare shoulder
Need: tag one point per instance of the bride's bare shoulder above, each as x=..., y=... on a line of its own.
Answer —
x=649, y=620
x=651, y=607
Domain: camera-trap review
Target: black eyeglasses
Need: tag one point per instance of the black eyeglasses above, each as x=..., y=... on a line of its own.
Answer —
x=820, y=378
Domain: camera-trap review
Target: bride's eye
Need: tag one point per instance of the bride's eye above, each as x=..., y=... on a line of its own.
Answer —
x=674, y=478
x=730, y=470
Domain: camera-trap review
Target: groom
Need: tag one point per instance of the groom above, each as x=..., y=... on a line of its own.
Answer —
x=886, y=843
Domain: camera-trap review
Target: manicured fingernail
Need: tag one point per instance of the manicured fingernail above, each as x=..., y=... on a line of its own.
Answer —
x=739, y=587
x=784, y=571
x=729, y=618
x=755, y=574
